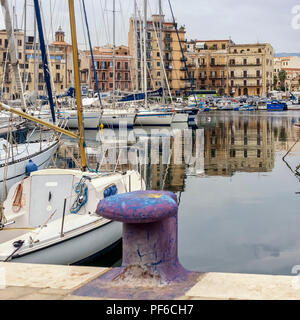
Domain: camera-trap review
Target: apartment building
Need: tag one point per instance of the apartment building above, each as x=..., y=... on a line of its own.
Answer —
x=229, y=68
x=250, y=69
x=31, y=66
x=104, y=67
x=162, y=63
x=291, y=65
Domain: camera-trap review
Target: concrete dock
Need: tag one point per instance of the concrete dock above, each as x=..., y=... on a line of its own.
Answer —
x=50, y=282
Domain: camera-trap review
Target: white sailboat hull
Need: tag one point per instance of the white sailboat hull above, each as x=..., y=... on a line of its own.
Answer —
x=91, y=119
x=181, y=117
x=53, y=230
x=154, y=119
x=116, y=120
x=16, y=170
x=77, y=248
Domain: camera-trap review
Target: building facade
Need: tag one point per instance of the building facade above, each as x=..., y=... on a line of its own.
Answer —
x=163, y=62
x=291, y=65
x=229, y=68
x=31, y=66
x=103, y=57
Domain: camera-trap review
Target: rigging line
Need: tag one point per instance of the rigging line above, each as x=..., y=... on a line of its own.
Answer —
x=161, y=57
x=123, y=20
x=182, y=52
x=49, y=57
x=103, y=19
x=82, y=24
x=91, y=50
x=95, y=25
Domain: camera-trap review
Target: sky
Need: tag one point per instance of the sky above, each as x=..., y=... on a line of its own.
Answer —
x=245, y=21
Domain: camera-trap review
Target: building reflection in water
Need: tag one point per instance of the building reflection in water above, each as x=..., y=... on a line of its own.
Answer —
x=221, y=146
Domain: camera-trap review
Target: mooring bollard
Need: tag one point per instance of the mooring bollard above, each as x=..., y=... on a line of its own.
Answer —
x=150, y=237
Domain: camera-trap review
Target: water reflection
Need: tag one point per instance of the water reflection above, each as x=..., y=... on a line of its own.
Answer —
x=239, y=203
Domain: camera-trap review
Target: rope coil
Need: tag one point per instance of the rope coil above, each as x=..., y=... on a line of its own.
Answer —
x=81, y=189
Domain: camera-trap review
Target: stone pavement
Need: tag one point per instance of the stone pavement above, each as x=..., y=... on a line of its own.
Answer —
x=49, y=282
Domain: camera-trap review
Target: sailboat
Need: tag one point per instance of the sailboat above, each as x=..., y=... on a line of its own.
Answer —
x=14, y=157
x=145, y=116
x=49, y=217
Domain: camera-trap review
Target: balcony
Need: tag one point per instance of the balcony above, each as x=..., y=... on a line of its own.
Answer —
x=245, y=65
x=218, y=65
x=168, y=39
x=217, y=78
x=246, y=77
x=202, y=65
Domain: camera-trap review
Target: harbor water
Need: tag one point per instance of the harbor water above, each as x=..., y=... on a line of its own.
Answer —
x=238, y=198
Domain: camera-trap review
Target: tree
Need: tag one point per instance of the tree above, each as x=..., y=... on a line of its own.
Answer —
x=282, y=78
x=275, y=81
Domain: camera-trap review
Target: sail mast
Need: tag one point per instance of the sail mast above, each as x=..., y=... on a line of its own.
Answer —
x=13, y=51
x=145, y=53
x=114, y=52
x=44, y=57
x=161, y=51
x=77, y=84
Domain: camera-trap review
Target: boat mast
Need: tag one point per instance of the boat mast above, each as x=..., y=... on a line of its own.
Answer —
x=141, y=52
x=77, y=84
x=114, y=52
x=24, y=44
x=13, y=51
x=136, y=47
x=44, y=57
x=35, y=65
x=145, y=53
x=161, y=51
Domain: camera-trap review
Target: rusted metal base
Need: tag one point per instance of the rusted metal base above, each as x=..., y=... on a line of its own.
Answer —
x=147, y=288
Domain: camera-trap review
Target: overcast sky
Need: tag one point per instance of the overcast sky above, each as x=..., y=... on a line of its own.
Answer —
x=245, y=21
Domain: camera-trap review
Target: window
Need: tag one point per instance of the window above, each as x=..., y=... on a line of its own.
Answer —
x=257, y=61
x=19, y=43
x=258, y=73
x=212, y=61
x=111, y=74
x=118, y=65
x=126, y=65
x=213, y=153
x=245, y=153
x=258, y=153
x=245, y=74
x=245, y=61
x=58, y=67
x=103, y=76
x=232, y=74
x=232, y=153
x=126, y=76
x=19, y=55
x=223, y=46
x=111, y=85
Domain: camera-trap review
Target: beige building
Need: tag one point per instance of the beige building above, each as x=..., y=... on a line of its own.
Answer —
x=173, y=64
x=207, y=64
x=60, y=62
x=250, y=69
x=291, y=65
x=229, y=68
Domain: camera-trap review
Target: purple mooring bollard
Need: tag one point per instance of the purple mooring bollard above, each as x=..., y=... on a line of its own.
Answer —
x=150, y=243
